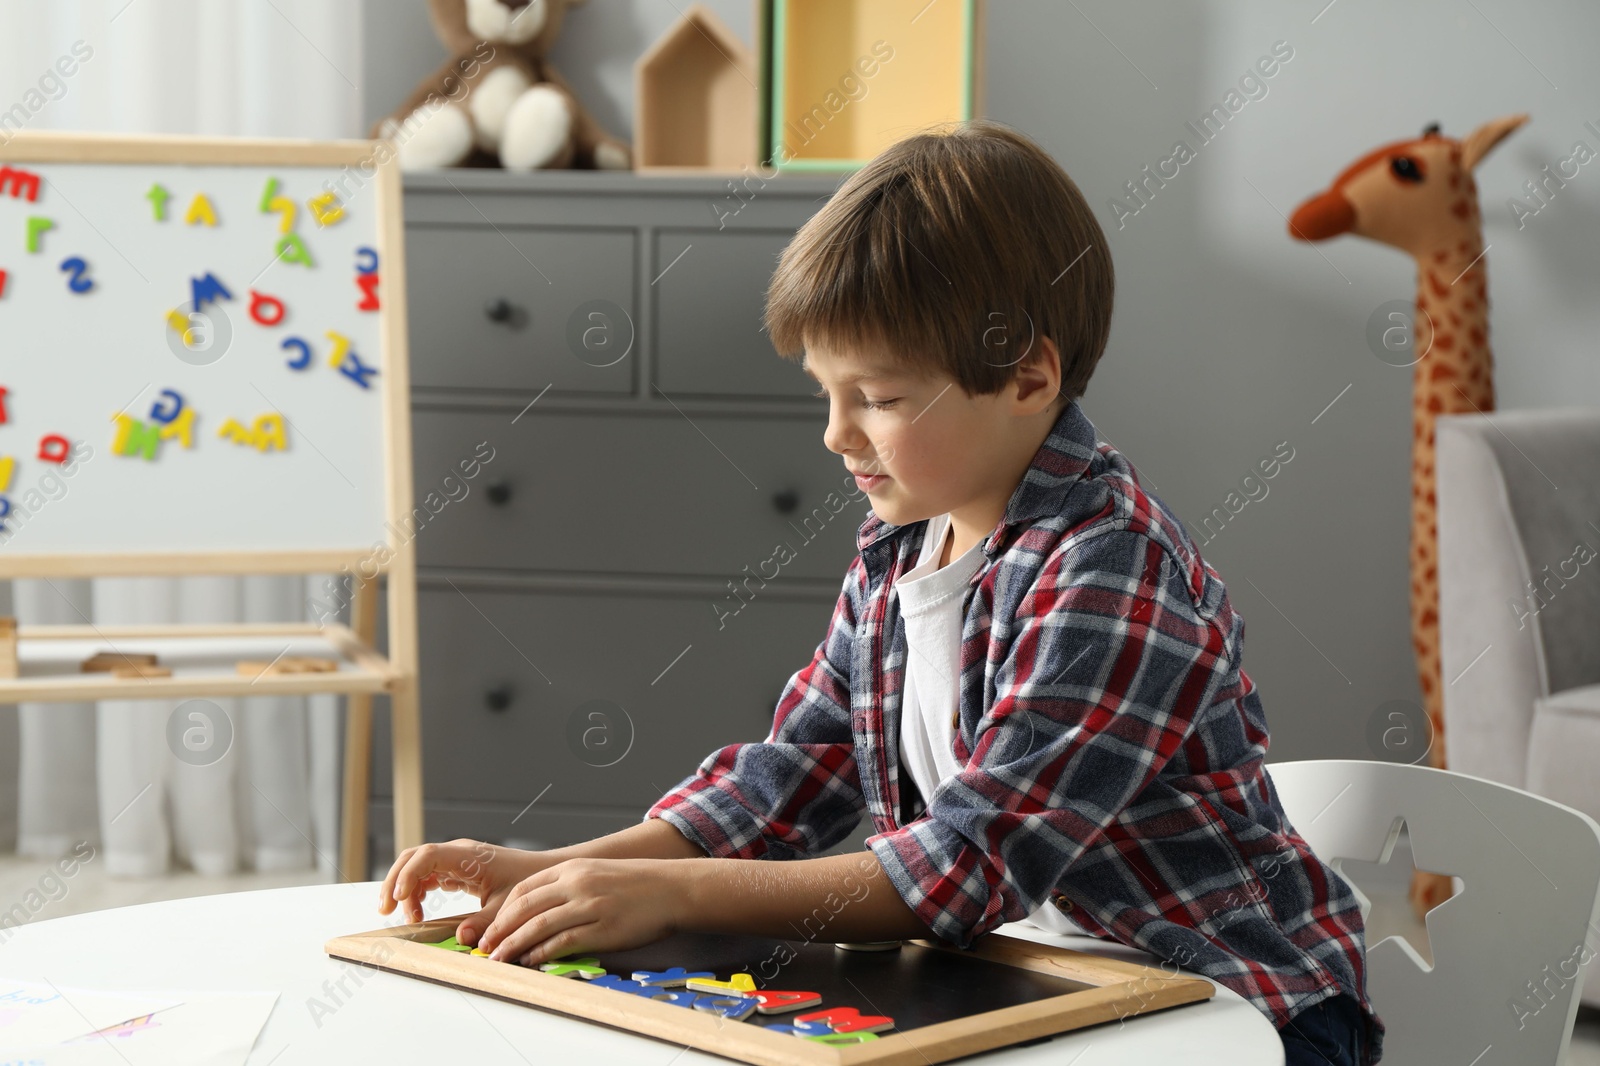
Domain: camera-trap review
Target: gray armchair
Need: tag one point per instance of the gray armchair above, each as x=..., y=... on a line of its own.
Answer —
x=1519, y=601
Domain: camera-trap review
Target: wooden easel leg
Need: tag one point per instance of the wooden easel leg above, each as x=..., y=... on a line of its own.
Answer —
x=353, y=857
x=406, y=727
x=357, y=787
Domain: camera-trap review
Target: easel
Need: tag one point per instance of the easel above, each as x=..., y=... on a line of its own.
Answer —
x=362, y=671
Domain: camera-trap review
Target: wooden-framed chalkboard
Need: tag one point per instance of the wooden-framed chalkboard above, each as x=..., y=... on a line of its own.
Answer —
x=943, y=1002
x=205, y=372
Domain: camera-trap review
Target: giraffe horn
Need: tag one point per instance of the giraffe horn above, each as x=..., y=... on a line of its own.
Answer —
x=1478, y=143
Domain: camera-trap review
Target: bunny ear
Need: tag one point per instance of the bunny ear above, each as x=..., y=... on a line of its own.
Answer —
x=1478, y=143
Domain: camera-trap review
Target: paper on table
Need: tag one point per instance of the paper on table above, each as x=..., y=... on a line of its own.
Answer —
x=37, y=1012
x=205, y=1029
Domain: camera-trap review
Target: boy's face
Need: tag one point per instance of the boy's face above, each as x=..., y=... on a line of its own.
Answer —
x=933, y=447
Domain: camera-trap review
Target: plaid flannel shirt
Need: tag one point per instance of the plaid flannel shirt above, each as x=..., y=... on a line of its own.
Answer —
x=1113, y=748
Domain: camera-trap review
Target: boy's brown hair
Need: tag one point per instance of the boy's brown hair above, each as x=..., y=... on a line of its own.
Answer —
x=953, y=250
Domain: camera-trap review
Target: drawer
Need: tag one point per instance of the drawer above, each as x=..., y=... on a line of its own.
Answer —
x=708, y=308
x=512, y=308
x=607, y=699
x=642, y=492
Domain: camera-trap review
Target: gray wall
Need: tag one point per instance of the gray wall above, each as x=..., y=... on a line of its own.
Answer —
x=1228, y=336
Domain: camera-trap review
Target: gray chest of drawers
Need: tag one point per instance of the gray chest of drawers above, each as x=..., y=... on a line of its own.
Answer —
x=629, y=581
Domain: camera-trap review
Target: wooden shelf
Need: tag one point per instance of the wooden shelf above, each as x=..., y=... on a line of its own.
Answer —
x=202, y=659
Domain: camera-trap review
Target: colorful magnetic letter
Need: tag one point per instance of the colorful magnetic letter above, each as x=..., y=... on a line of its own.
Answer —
x=4, y=392
x=675, y=975
x=181, y=428
x=357, y=371
x=843, y=1039
x=135, y=438
x=773, y=1001
x=269, y=194
x=158, y=196
x=479, y=952
x=165, y=413
x=291, y=249
x=450, y=943
x=200, y=210
x=587, y=967
x=796, y=1029
x=736, y=1007
x=77, y=283
x=846, y=1020
x=368, y=284
x=180, y=322
x=740, y=984
x=207, y=290
x=21, y=182
x=618, y=983
x=366, y=260
x=269, y=433
x=2, y=282
x=5, y=509
x=341, y=345
x=267, y=310
x=36, y=227
x=305, y=352
x=8, y=466
x=54, y=448
x=325, y=209
x=285, y=207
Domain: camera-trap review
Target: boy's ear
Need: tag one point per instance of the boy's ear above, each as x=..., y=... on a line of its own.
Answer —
x=1043, y=371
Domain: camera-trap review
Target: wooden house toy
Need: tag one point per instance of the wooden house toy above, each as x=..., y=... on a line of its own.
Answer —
x=696, y=98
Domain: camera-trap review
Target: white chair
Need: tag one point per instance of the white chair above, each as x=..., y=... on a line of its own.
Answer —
x=1509, y=949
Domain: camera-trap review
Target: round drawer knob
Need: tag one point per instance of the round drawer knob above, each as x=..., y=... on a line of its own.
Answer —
x=498, y=699
x=786, y=501
x=499, y=493
x=498, y=309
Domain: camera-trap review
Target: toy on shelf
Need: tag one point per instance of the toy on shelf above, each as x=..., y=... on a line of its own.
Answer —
x=497, y=101
x=1418, y=196
x=695, y=98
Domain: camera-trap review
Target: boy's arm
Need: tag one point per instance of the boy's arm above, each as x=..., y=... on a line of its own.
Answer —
x=1109, y=668
x=836, y=897
x=798, y=791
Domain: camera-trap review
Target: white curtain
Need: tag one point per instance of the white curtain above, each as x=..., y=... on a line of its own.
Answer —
x=104, y=773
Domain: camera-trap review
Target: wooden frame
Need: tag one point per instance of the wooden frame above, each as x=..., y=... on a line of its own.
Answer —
x=786, y=75
x=1120, y=990
x=364, y=672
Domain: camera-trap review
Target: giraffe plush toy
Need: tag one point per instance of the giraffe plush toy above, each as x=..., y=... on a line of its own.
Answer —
x=1419, y=197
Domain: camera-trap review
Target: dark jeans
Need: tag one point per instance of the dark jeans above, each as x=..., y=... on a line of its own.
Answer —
x=1328, y=1033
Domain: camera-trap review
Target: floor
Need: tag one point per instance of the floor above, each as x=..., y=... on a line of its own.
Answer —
x=90, y=889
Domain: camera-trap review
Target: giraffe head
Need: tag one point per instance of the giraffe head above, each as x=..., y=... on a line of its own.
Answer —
x=1415, y=195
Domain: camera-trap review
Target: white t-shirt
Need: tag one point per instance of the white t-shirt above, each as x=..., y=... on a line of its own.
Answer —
x=930, y=604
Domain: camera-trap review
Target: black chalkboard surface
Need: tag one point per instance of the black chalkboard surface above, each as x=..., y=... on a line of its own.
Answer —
x=946, y=1002
x=914, y=985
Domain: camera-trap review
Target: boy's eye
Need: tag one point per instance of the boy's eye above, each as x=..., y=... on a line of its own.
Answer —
x=871, y=405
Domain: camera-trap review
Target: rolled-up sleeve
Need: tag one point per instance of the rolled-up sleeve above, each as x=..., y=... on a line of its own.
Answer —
x=797, y=792
x=1109, y=668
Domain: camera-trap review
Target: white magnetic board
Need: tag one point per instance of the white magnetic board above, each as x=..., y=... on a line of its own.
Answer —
x=275, y=449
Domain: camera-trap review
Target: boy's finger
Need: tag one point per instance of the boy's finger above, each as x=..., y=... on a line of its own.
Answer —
x=386, y=893
x=474, y=924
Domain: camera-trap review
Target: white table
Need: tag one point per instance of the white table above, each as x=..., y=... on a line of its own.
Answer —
x=272, y=940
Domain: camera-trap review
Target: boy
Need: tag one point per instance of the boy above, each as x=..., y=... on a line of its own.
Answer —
x=1031, y=680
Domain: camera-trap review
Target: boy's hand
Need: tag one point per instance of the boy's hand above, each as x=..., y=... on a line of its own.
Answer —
x=486, y=871
x=586, y=905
